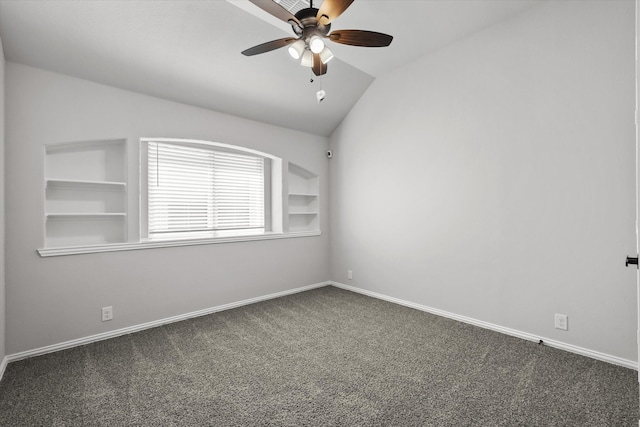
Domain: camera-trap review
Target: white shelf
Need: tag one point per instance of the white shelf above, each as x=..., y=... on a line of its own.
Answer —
x=302, y=195
x=85, y=193
x=80, y=215
x=84, y=183
x=81, y=248
x=303, y=201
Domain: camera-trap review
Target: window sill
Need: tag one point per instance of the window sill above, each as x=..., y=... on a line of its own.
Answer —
x=133, y=246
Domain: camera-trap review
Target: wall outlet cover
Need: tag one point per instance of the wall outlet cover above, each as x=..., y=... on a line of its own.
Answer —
x=107, y=313
x=562, y=322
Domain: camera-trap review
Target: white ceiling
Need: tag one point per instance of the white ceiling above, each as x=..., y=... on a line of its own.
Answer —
x=189, y=51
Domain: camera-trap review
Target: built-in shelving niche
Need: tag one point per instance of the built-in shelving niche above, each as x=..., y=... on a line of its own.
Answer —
x=85, y=193
x=303, y=203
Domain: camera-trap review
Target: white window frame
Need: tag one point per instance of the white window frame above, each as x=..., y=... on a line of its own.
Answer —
x=273, y=189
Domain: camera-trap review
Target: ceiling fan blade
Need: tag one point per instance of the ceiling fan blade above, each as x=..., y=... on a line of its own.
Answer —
x=318, y=67
x=361, y=38
x=268, y=46
x=331, y=9
x=276, y=10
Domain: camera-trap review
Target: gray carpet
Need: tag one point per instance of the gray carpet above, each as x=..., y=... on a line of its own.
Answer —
x=325, y=357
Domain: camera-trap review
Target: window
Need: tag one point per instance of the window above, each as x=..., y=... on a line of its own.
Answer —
x=204, y=190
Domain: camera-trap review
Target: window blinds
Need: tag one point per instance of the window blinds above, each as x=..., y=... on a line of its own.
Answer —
x=198, y=190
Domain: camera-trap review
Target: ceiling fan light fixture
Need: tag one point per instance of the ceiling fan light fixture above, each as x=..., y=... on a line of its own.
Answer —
x=307, y=59
x=316, y=44
x=326, y=55
x=296, y=49
x=311, y=26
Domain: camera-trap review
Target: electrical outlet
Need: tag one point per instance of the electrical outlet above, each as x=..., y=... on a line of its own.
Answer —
x=562, y=322
x=107, y=313
x=349, y=274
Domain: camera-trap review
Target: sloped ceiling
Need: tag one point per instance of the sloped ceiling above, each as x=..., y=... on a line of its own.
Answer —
x=189, y=51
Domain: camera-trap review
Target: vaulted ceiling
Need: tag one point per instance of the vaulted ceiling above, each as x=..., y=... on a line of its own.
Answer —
x=189, y=51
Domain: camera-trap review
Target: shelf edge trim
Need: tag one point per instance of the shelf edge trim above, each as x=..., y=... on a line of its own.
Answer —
x=132, y=246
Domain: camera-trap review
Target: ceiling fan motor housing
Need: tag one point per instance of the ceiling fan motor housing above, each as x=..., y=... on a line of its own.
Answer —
x=310, y=26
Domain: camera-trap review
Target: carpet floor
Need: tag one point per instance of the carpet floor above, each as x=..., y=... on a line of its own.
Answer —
x=326, y=357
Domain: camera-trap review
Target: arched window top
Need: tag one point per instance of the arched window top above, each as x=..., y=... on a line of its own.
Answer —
x=211, y=145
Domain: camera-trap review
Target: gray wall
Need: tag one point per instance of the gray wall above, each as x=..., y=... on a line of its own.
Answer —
x=495, y=178
x=52, y=300
x=2, y=210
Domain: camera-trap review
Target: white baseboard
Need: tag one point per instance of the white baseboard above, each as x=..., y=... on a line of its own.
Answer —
x=3, y=366
x=486, y=325
x=136, y=328
x=124, y=331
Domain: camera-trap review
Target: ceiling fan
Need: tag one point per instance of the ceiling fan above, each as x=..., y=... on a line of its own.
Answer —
x=311, y=26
